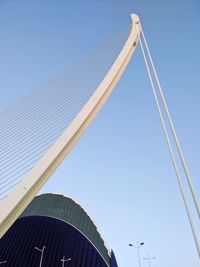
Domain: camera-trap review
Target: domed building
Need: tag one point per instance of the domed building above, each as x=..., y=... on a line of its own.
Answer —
x=54, y=231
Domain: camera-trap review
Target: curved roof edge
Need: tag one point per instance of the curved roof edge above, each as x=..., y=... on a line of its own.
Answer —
x=68, y=210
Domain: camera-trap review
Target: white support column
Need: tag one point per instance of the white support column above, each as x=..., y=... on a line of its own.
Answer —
x=24, y=192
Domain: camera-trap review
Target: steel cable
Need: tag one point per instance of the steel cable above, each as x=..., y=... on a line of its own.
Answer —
x=33, y=124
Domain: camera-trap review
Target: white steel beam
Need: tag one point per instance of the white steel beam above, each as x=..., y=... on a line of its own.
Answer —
x=24, y=192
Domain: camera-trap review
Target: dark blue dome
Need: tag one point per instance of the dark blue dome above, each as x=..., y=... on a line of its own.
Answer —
x=17, y=246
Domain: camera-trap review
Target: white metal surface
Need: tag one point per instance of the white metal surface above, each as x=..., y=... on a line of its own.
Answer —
x=24, y=192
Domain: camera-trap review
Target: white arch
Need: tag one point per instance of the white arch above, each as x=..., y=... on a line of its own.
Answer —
x=24, y=192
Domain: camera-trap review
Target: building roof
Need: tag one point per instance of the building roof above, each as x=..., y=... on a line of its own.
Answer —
x=66, y=209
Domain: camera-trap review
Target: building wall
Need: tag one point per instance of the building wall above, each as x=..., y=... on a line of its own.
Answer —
x=66, y=209
x=17, y=246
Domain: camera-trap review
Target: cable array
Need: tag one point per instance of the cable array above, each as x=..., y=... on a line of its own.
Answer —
x=151, y=69
x=31, y=125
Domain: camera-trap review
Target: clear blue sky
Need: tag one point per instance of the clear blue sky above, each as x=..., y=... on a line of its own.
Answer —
x=120, y=170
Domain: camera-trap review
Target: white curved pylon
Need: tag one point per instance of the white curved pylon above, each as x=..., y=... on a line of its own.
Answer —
x=24, y=192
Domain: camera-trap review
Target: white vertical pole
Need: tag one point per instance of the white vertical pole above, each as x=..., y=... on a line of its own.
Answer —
x=64, y=260
x=42, y=254
x=138, y=249
x=149, y=259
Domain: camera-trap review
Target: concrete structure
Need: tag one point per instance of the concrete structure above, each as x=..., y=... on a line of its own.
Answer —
x=24, y=192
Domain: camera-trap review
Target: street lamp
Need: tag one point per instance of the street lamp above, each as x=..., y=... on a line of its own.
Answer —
x=64, y=260
x=138, y=250
x=149, y=259
x=2, y=262
x=42, y=253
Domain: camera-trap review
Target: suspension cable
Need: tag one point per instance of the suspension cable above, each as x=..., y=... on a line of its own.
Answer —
x=31, y=125
x=183, y=162
x=170, y=149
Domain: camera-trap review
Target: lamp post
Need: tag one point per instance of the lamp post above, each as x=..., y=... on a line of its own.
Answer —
x=2, y=262
x=149, y=259
x=138, y=250
x=42, y=254
x=64, y=260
